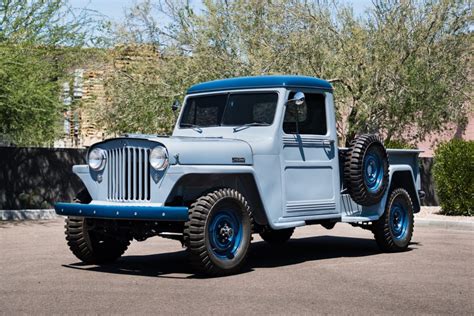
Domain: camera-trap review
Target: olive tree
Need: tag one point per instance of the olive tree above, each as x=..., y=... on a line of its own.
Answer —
x=401, y=69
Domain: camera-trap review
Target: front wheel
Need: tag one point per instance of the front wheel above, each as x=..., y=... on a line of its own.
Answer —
x=394, y=229
x=92, y=246
x=218, y=232
x=88, y=244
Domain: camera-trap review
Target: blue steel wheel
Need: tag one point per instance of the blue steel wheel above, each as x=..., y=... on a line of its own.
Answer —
x=366, y=170
x=394, y=230
x=373, y=171
x=225, y=233
x=218, y=232
x=398, y=220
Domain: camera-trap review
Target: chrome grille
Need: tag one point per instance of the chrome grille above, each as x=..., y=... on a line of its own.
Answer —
x=128, y=174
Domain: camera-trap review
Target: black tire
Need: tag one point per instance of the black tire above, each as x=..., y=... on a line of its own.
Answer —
x=366, y=170
x=276, y=237
x=392, y=234
x=88, y=245
x=216, y=247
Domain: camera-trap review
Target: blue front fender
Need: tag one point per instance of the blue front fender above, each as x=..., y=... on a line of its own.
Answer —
x=138, y=212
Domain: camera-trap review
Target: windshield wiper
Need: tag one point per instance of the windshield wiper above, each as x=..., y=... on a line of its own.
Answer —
x=244, y=126
x=193, y=126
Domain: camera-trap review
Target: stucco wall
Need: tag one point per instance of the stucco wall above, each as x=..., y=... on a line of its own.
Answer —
x=429, y=144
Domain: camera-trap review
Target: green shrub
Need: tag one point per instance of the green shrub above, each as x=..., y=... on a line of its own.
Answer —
x=399, y=144
x=453, y=173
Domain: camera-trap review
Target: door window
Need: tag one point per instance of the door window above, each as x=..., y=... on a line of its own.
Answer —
x=311, y=115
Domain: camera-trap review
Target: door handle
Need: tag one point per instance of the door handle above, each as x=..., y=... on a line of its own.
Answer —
x=328, y=142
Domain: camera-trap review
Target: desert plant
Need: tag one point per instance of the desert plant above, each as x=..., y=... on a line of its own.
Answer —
x=453, y=173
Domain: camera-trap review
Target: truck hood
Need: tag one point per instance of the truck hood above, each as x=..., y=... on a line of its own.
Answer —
x=198, y=150
x=206, y=150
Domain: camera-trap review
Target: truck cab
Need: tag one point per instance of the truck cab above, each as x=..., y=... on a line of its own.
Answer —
x=247, y=155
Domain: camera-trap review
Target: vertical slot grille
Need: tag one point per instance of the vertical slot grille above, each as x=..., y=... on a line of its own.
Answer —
x=128, y=174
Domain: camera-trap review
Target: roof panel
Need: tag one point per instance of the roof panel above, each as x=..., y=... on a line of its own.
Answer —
x=261, y=82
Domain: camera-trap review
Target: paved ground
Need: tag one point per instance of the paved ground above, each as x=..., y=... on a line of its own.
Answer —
x=319, y=271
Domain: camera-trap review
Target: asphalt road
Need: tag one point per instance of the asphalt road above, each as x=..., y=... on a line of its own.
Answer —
x=340, y=271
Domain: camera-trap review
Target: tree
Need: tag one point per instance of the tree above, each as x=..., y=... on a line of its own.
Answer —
x=418, y=76
x=137, y=99
x=400, y=70
x=29, y=98
x=39, y=41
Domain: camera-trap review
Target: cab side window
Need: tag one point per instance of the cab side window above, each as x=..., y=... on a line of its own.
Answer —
x=311, y=115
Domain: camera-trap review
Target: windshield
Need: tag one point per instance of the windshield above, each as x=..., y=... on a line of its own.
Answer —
x=230, y=109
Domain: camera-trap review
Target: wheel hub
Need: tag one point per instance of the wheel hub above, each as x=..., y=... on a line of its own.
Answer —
x=398, y=221
x=226, y=232
x=370, y=169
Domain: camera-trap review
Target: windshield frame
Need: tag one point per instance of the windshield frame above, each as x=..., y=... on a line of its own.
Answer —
x=277, y=92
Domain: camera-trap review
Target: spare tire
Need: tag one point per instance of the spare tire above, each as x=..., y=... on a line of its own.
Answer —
x=366, y=170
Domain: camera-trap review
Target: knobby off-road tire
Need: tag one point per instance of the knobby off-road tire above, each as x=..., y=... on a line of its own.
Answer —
x=88, y=245
x=394, y=229
x=277, y=237
x=218, y=232
x=366, y=170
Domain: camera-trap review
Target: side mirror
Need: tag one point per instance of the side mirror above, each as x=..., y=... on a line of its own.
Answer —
x=176, y=105
x=298, y=99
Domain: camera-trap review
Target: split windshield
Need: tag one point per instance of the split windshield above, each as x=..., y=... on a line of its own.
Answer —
x=230, y=109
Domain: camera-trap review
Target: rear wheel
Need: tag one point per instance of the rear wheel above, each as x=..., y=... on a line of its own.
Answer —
x=218, y=232
x=394, y=229
x=277, y=237
x=89, y=245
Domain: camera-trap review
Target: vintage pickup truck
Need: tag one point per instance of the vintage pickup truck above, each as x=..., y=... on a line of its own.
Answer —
x=247, y=155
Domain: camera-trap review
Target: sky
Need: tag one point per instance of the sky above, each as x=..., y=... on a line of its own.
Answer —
x=114, y=8
x=111, y=8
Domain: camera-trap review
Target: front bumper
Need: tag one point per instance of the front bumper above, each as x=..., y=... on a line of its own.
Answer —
x=138, y=212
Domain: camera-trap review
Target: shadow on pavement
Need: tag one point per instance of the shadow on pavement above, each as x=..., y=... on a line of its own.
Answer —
x=262, y=255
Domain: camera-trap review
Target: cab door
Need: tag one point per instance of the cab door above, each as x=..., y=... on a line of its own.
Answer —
x=310, y=163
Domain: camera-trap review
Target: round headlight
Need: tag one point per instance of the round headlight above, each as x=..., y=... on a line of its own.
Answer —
x=97, y=159
x=159, y=158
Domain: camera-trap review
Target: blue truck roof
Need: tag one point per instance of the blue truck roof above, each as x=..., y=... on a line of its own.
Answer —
x=261, y=82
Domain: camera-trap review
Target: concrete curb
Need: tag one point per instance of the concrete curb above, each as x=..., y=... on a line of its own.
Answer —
x=446, y=224
x=19, y=215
